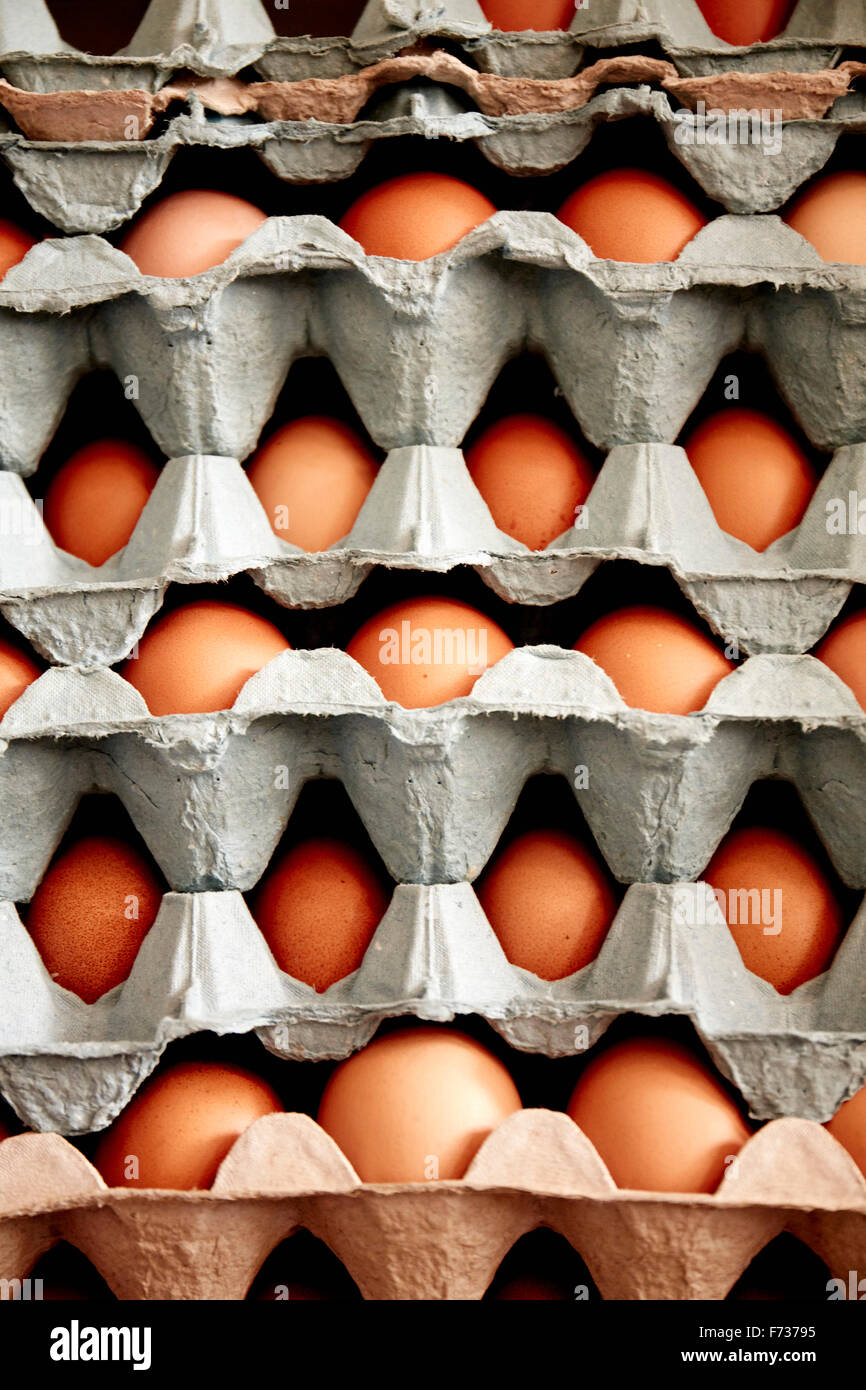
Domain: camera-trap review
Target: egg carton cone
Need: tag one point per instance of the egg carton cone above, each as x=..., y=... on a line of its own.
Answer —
x=437, y=1240
x=204, y=523
x=658, y=791
x=71, y=1067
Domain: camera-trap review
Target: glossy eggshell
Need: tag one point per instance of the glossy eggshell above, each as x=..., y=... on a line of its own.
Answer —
x=312, y=477
x=844, y=651
x=17, y=671
x=198, y=658
x=658, y=1117
x=632, y=215
x=533, y=477
x=91, y=912
x=416, y=1104
x=188, y=232
x=550, y=903
x=318, y=908
x=848, y=1126
x=812, y=924
x=182, y=1124
x=744, y=22
x=758, y=480
x=14, y=245
x=831, y=214
x=657, y=660
x=416, y=216
x=95, y=499
x=514, y=16
x=388, y=650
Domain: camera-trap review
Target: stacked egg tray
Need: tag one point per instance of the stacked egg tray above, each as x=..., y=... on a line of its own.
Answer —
x=417, y=347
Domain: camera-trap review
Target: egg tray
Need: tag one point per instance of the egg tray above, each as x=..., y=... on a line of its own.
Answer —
x=204, y=966
x=436, y=1241
x=222, y=37
x=204, y=523
x=64, y=179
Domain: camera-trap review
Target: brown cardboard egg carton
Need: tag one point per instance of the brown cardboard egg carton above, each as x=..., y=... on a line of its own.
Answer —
x=440, y=1240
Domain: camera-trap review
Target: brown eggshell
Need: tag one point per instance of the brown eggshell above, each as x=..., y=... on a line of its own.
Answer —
x=632, y=215
x=17, y=671
x=312, y=477
x=844, y=651
x=189, y=232
x=848, y=1126
x=416, y=216
x=756, y=21
x=657, y=660
x=94, y=501
x=516, y=15
x=831, y=214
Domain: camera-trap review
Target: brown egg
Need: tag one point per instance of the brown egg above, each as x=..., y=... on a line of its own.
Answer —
x=176, y=1132
x=312, y=477
x=416, y=1105
x=529, y=1289
x=758, y=480
x=416, y=216
x=91, y=912
x=14, y=245
x=844, y=651
x=198, y=658
x=318, y=909
x=831, y=214
x=632, y=215
x=93, y=504
x=532, y=476
x=660, y=1120
x=848, y=1126
x=17, y=671
x=740, y=24
x=188, y=232
x=550, y=902
x=657, y=660
x=780, y=908
x=428, y=651
x=542, y=15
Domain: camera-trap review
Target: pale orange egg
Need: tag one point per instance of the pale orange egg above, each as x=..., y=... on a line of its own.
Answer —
x=312, y=477
x=658, y=1117
x=91, y=912
x=741, y=24
x=550, y=902
x=177, y=1130
x=416, y=216
x=428, y=651
x=758, y=480
x=632, y=215
x=416, y=1105
x=780, y=908
x=318, y=909
x=14, y=245
x=542, y=15
x=188, y=232
x=848, y=1126
x=657, y=660
x=844, y=651
x=17, y=671
x=533, y=477
x=831, y=214
x=198, y=658
x=94, y=501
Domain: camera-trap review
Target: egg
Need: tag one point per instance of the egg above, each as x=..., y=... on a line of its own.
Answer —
x=743, y=24
x=848, y=1126
x=94, y=501
x=17, y=671
x=758, y=480
x=318, y=908
x=428, y=651
x=844, y=651
x=416, y=1105
x=632, y=215
x=657, y=660
x=533, y=477
x=529, y=1288
x=189, y=232
x=660, y=1120
x=91, y=912
x=198, y=658
x=831, y=214
x=543, y=15
x=789, y=930
x=14, y=245
x=416, y=216
x=550, y=903
x=312, y=477
x=177, y=1130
